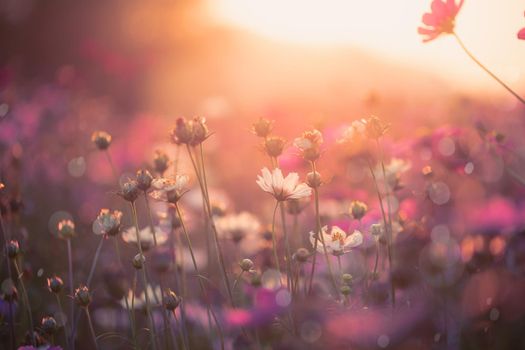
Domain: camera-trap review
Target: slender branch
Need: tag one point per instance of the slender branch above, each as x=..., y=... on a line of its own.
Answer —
x=26, y=301
x=71, y=292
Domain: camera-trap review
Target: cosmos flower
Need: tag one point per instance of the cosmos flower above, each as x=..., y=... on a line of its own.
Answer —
x=282, y=188
x=146, y=236
x=169, y=189
x=310, y=143
x=356, y=130
x=237, y=226
x=441, y=20
x=337, y=241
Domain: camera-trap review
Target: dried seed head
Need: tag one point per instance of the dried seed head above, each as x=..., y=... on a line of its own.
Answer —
x=313, y=179
x=82, y=296
x=246, y=265
x=55, y=284
x=107, y=222
x=310, y=144
x=262, y=127
x=301, y=255
x=138, y=261
x=129, y=190
x=375, y=127
x=199, y=131
x=12, y=249
x=66, y=229
x=49, y=325
x=101, y=139
x=274, y=146
x=161, y=161
x=182, y=132
x=358, y=209
x=171, y=300
x=144, y=179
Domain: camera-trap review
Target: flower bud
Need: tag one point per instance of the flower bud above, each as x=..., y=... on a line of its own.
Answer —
x=144, y=179
x=107, y=222
x=301, y=255
x=66, y=229
x=9, y=291
x=12, y=249
x=49, y=325
x=262, y=127
x=246, y=265
x=345, y=290
x=138, y=261
x=313, y=179
x=274, y=146
x=129, y=190
x=375, y=127
x=347, y=278
x=182, y=132
x=82, y=296
x=55, y=284
x=171, y=300
x=199, y=131
x=358, y=209
x=161, y=161
x=101, y=139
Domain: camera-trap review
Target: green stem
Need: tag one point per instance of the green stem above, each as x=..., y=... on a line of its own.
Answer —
x=467, y=51
x=144, y=279
x=26, y=301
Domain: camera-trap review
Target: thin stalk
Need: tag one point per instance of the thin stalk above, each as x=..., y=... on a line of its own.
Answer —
x=177, y=324
x=144, y=279
x=26, y=301
x=201, y=284
x=339, y=265
x=11, y=319
x=467, y=51
x=150, y=217
x=173, y=337
x=376, y=261
x=91, y=329
x=237, y=279
x=274, y=241
x=95, y=261
x=204, y=192
x=113, y=169
x=71, y=292
x=321, y=236
x=287, y=249
x=61, y=310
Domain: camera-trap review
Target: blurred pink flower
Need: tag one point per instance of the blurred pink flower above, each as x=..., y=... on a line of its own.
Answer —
x=440, y=20
x=521, y=34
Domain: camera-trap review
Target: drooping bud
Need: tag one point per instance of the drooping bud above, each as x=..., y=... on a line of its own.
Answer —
x=101, y=139
x=171, y=300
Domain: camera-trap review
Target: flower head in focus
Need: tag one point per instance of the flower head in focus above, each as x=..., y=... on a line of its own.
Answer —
x=282, y=188
x=441, y=20
x=336, y=240
x=107, y=222
x=310, y=144
x=129, y=190
x=170, y=190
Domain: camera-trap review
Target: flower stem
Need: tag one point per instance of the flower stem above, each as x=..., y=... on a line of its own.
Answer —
x=274, y=241
x=26, y=301
x=150, y=217
x=287, y=249
x=201, y=284
x=11, y=319
x=237, y=280
x=92, y=330
x=112, y=165
x=61, y=311
x=144, y=279
x=467, y=51
x=71, y=292
x=94, y=263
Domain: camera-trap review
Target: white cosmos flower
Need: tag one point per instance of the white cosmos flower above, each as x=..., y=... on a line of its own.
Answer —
x=237, y=226
x=154, y=294
x=146, y=236
x=356, y=130
x=169, y=189
x=282, y=188
x=336, y=240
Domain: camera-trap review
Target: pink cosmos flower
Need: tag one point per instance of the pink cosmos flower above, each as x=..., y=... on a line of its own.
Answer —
x=521, y=34
x=440, y=20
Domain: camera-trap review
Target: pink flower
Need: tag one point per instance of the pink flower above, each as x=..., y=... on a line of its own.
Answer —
x=521, y=34
x=440, y=20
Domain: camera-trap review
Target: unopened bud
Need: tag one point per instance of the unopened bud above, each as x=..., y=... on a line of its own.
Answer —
x=347, y=278
x=82, y=296
x=274, y=146
x=301, y=255
x=49, y=325
x=12, y=249
x=262, y=127
x=345, y=290
x=129, y=190
x=55, y=284
x=144, y=179
x=171, y=300
x=101, y=139
x=138, y=261
x=313, y=179
x=358, y=209
x=246, y=265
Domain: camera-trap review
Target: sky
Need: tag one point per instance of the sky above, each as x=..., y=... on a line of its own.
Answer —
x=389, y=28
